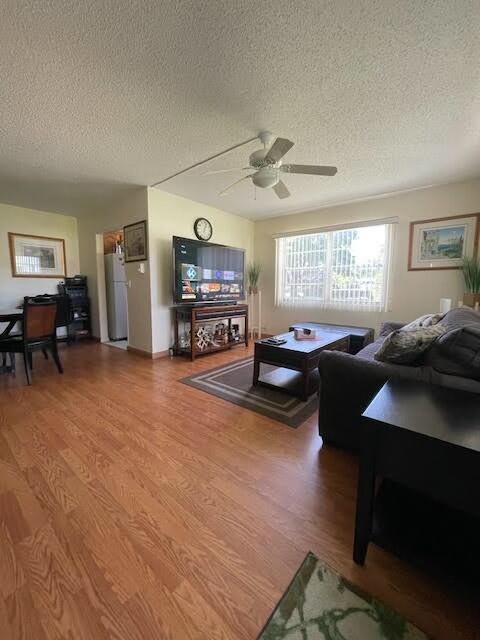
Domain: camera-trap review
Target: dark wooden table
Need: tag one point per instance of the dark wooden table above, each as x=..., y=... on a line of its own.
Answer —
x=296, y=355
x=10, y=317
x=424, y=437
x=359, y=336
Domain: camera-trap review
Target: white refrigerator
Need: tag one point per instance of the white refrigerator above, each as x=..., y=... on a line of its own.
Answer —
x=116, y=282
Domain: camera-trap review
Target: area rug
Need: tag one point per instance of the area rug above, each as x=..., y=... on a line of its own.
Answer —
x=320, y=604
x=233, y=382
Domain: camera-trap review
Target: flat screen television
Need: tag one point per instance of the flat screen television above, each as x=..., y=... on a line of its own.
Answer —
x=207, y=272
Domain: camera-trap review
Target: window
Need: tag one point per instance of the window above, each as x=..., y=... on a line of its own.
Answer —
x=340, y=269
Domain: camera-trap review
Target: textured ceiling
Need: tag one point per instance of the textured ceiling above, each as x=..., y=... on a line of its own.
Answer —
x=98, y=96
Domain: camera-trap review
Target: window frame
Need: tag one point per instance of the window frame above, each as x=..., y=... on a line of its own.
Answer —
x=327, y=303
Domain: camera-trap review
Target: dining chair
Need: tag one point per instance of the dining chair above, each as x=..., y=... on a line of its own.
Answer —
x=3, y=366
x=64, y=310
x=7, y=332
x=39, y=333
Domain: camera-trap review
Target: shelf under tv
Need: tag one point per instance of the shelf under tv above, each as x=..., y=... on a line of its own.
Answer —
x=208, y=303
x=194, y=334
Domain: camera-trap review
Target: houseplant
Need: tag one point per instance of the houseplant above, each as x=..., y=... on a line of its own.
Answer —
x=471, y=275
x=253, y=274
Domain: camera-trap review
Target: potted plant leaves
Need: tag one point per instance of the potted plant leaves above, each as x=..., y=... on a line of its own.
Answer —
x=253, y=274
x=471, y=275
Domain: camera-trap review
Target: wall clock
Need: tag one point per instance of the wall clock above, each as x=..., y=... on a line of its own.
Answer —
x=203, y=229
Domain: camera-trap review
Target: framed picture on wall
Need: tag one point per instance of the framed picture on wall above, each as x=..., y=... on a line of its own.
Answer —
x=442, y=243
x=135, y=241
x=37, y=256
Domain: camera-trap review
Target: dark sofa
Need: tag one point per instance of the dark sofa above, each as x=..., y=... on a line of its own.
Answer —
x=349, y=382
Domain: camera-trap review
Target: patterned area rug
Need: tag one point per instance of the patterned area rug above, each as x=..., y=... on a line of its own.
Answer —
x=233, y=382
x=320, y=604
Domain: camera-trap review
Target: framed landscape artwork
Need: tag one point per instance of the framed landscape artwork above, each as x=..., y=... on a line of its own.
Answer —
x=442, y=243
x=37, y=256
x=135, y=241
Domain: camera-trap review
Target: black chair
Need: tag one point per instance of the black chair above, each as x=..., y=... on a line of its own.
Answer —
x=39, y=333
x=7, y=334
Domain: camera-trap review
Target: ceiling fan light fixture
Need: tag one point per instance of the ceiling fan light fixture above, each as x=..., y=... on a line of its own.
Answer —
x=257, y=158
x=266, y=178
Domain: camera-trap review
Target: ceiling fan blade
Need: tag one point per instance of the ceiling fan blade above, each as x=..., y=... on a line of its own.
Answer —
x=309, y=169
x=278, y=149
x=281, y=190
x=230, y=186
x=212, y=173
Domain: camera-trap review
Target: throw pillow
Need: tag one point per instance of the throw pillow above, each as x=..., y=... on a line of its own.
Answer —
x=457, y=353
x=424, y=321
x=405, y=347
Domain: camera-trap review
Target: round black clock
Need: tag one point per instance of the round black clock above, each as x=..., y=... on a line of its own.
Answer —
x=203, y=229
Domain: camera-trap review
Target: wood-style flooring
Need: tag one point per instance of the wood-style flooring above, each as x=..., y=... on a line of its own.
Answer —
x=134, y=507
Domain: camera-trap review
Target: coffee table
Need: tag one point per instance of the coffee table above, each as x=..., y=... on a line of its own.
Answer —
x=296, y=355
x=359, y=336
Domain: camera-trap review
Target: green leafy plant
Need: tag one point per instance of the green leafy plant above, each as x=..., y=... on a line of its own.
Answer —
x=253, y=274
x=471, y=274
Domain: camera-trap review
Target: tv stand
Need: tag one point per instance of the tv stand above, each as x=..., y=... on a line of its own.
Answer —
x=210, y=327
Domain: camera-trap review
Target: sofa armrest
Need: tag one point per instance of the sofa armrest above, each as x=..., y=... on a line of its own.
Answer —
x=347, y=386
x=387, y=327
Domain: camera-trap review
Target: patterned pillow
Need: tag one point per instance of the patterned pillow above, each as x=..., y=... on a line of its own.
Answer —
x=404, y=347
x=424, y=321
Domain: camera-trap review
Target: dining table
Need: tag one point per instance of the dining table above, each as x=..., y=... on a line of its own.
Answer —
x=8, y=317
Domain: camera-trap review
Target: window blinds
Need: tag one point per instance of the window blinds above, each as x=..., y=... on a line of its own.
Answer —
x=339, y=269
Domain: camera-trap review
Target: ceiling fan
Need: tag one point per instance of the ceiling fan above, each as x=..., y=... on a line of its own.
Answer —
x=268, y=167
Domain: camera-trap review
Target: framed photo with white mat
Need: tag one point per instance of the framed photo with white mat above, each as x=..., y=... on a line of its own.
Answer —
x=442, y=243
x=37, y=256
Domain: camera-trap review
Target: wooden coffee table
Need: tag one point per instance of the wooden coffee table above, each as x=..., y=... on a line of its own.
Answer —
x=296, y=355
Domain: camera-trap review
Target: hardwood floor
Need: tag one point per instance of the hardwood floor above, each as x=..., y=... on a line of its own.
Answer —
x=135, y=507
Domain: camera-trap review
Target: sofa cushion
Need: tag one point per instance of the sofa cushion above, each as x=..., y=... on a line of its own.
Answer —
x=457, y=352
x=387, y=327
x=460, y=317
x=368, y=352
x=405, y=347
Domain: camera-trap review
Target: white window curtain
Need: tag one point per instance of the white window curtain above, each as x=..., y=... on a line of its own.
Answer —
x=343, y=268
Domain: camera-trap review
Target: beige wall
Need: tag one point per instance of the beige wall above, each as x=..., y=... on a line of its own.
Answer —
x=150, y=294
x=40, y=223
x=150, y=299
x=412, y=293
x=170, y=215
x=132, y=208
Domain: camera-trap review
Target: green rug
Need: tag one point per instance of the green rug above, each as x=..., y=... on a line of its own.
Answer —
x=320, y=604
